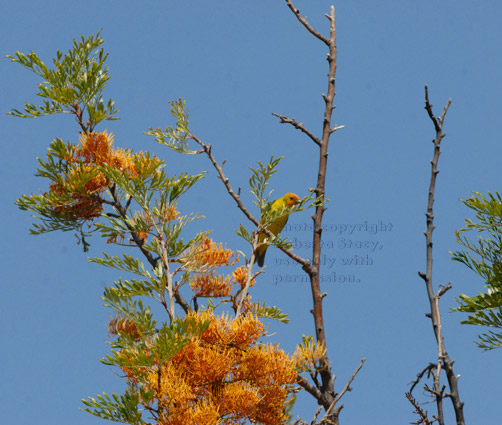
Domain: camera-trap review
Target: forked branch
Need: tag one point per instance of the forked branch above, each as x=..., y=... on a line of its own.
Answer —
x=443, y=360
x=304, y=22
x=322, y=389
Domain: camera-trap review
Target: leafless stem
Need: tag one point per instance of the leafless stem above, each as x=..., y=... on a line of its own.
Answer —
x=298, y=126
x=327, y=387
x=311, y=389
x=424, y=419
x=219, y=168
x=79, y=117
x=444, y=360
x=347, y=387
x=420, y=375
x=306, y=24
x=324, y=393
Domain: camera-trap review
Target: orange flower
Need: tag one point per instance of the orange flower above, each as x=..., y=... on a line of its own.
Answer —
x=85, y=183
x=119, y=324
x=209, y=285
x=95, y=148
x=308, y=355
x=224, y=376
x=240, y=276
x=211, y=254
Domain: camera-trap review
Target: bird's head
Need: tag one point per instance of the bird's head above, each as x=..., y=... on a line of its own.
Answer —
x=290, y=200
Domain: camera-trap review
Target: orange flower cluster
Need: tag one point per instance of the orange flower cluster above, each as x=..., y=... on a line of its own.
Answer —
x=240, y=276
x=224, y=376
x=209, y=285
x=308, y=355
x=83, y=187
x=119, y=324
x=209, y=256
x=210, y=253
x=84, y=184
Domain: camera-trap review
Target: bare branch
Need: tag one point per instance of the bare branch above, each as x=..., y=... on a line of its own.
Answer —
x=307, y=386
x=316, y=414
x=304, y=22
x=424, y=419
x=420, y=375
x=443, y=290
x=324, y=393
x=298, y=126
x=314, y=273
x=438, y=121
x=345, y=389
x=207, y=150
x=79, y=117
x=443, y=361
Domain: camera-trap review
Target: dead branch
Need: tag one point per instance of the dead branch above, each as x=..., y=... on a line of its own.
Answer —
x=443, y=360
x=298, y=126
x=424, y=419
x=336, y=410
x=304, y=22
x=420, y=375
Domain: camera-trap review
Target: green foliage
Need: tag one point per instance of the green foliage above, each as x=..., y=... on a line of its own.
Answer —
x=49, y=206
x=152, y=347
x=43, y=205
x=75, y=84
x=145, y=188
x=484, y=256
x=244, y=234
x=130, y=309
x=127, y=263
x=123, y=408
x=270, y=312
x=176, y=137
x=260, y=180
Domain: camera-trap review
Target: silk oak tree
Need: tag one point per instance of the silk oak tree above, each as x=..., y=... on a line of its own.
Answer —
x=206, y=359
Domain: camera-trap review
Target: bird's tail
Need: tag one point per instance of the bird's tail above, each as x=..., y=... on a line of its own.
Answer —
x=260, y=255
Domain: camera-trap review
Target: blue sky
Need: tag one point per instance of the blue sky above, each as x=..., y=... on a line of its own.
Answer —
x=235, y=63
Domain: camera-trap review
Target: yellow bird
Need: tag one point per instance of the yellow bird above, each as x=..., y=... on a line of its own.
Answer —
x=289, y=200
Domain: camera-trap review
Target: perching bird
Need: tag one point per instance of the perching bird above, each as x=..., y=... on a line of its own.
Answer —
x=289, y=200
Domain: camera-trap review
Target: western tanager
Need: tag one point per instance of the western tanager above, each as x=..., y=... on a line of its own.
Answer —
x=289, y=200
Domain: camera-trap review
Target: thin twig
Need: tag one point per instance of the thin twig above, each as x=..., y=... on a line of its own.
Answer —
x=304, y=22
x=327, y=386
x=443, y=360
x=219, y=168
x=324, y=393
x=424, y=419
x=298, y=126
x=420, y=375
x=345, y=389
